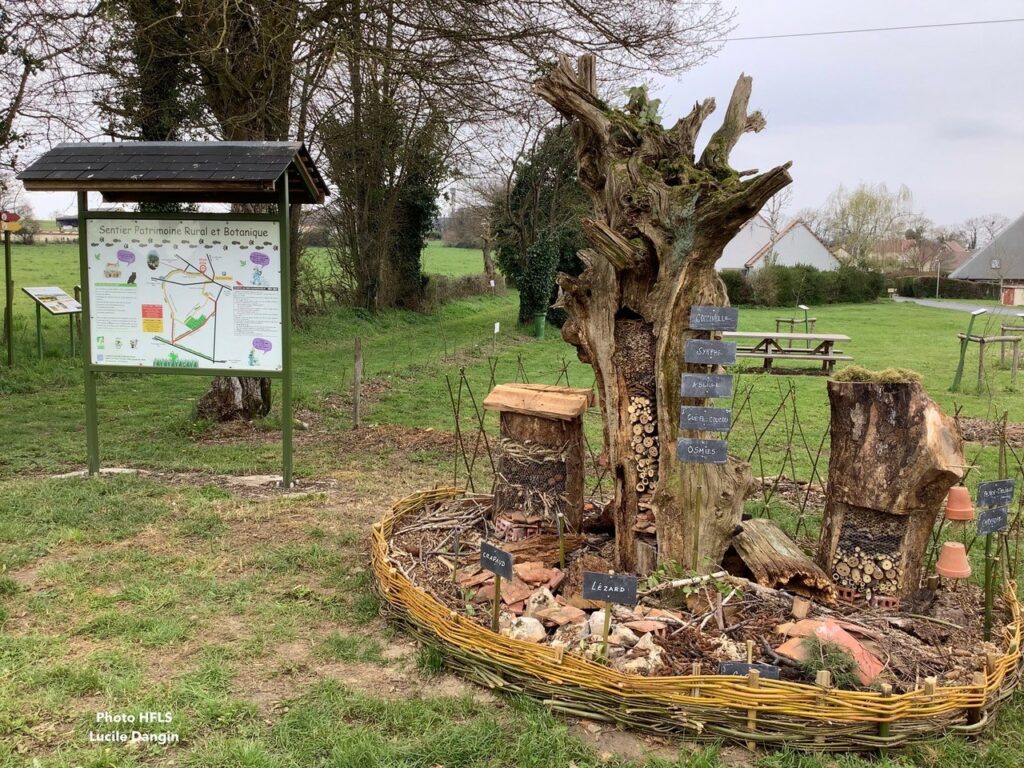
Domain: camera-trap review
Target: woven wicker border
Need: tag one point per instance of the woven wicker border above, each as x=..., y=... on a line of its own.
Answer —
x=711, y=706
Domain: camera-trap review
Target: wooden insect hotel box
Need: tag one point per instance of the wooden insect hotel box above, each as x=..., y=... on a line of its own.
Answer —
x=894, y=456
x=540, y=467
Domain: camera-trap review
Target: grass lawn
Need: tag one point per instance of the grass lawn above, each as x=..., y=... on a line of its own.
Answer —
x=246, y=612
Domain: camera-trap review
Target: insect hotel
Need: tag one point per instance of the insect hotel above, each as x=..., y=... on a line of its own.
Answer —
x=540, y=467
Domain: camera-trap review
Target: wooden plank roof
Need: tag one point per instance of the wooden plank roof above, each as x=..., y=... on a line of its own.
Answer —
x=549, y=402
x=185, y=171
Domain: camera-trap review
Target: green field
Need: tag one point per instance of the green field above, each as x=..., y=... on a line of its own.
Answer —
x=247, y=613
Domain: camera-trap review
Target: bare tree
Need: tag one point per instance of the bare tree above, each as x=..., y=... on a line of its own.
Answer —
x=774, y=212
x=979, y=230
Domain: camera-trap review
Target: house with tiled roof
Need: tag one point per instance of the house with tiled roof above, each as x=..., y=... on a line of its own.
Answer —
x=1000, y=261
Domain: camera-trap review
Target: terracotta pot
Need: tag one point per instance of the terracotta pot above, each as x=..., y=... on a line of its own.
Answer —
x=958, y=504
x=953, y=562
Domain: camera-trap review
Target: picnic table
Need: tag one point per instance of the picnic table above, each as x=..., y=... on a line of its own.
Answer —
x=767, y=345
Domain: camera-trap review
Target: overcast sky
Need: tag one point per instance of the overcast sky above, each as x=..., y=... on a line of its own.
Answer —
x=940, y=110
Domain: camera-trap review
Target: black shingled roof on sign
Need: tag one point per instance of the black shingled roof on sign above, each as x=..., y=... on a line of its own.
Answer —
x=214, y=171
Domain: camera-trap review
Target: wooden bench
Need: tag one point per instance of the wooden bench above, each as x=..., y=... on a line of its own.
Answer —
x=768, y=347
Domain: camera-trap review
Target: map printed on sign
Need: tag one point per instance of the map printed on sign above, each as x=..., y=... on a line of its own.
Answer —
x=186, y=293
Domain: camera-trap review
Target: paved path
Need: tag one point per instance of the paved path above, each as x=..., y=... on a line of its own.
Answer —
x=963, y=306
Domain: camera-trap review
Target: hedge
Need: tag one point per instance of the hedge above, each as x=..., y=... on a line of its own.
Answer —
x=924, y=288
x=788, y=286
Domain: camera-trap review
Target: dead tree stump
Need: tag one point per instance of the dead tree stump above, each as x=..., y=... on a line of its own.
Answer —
x=894, y=456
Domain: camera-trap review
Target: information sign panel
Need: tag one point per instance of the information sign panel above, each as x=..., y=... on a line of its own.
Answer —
x=185, y=293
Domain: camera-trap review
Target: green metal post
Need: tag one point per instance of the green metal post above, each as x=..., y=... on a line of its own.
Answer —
x=9, y=300
x=92, y=438
x=286, y=333
x=39, y=329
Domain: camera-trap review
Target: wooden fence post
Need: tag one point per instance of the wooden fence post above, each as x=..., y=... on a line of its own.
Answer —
x=357, y=385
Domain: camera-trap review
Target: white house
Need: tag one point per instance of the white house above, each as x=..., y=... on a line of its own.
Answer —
x=795, y=244
x=748, y=241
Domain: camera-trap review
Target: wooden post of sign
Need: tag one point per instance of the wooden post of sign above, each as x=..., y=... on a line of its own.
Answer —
x=357, y=384
x=39, y=329
x=607, y=628
x=497, y=603
x=8, y=300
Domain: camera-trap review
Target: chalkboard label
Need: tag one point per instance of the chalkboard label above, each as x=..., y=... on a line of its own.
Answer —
x=701, y=419
x=495, y=560
x=695, y=451
x=610, y=587
x=742, y=668
x=706, y=385
x=704, y=352
x=713, y=318
x=995, y=493
x=993, y=520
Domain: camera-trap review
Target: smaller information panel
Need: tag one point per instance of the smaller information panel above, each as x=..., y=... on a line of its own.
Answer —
x=611, y=587
x=54, y=300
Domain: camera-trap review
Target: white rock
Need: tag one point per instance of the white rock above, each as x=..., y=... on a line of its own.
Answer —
x=569, y=634
x=540, y=600
x=623, y=635
x=527, y=628
x=646, y=643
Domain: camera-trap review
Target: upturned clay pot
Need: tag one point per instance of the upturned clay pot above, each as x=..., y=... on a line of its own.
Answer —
x=953, y=562
x=958, y=504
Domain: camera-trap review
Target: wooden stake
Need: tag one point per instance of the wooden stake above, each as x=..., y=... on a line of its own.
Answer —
x=455, y=560
x=561, y=541
x=974, y=714
x=823, y=679
x=753, y=677
x=884, y=728
x=357, y=384
x=497, y=603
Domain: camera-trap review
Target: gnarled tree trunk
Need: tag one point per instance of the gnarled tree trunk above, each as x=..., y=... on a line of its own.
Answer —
x=662, y=218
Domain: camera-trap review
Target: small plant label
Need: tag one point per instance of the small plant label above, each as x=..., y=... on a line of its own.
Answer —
x=701, y=419
x=705, y=352
x=993, y=520
x=610, y=587
x=742, y=668
x=497, y=561
x=697, y=451
x=706, y=385
x=995, y=493
x=713, y=318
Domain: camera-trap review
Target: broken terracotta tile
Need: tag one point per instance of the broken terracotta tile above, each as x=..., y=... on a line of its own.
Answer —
x=515, y=591
x=557, y=577
x=642, y=627
x=559, y=615
x=533, y=572
x=829, y=631
x=475, y=580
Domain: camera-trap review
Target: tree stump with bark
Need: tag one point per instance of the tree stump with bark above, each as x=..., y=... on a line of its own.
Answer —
x=661, y=219
x=893, y=459
x=235, y=397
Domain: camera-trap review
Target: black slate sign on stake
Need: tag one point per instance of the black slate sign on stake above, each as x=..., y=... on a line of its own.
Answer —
x=713, y=318
x=705, y=352
x=995, y=493
x=701, y=419
x=610, y=587
x=495, y=560
x=993, y=520
x=706, y=385
x=696, y=451
x=742, y=668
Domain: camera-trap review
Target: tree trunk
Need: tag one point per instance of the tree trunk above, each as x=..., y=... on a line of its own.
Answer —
x=661, y=220
x=894, y=457
x=233, y=397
